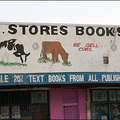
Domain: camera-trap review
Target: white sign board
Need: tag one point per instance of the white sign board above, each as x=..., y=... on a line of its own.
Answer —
x=46, y=48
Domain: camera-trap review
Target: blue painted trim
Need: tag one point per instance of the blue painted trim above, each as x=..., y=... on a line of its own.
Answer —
x=58, y=78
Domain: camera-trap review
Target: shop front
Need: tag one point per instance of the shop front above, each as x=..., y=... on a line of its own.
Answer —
x=24, y=105
x=67, y=103
x=105, y=104
x=43, y=103
x=65, y=98
x=67, y=59
x=25, y=99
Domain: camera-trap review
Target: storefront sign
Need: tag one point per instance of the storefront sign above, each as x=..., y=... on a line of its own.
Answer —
x=51, y=48
x=59, y=54
x=59, y=78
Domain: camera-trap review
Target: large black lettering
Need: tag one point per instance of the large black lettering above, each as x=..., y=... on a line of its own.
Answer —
x=90, y=31
x=12, y=28
x=100, y=31
x=44, y=29
x=23, y=28
x=63, y=30
x=33, y=29
x=109, y=31
x=79, y=30
x=118, y=30
x=53, y=30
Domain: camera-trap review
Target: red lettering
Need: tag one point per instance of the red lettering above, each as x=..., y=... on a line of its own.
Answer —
x=85, y=49
x=76, y=44
x=91, y=45
x=96, y=46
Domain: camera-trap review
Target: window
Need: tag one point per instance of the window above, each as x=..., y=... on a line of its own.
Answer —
x=112, y=95
x=39, y=97
x=118, y=95
x=105, y=104
x=99, y=95
x=105, y=95
x=24, y=105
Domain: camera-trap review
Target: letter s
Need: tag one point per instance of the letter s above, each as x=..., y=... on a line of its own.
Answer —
x=12, y=29
x=63, y=30
x=118, y=30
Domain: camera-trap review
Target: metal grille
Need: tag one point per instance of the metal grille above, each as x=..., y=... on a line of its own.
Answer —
x=19, y=105
x=71, y=112
x=70, y=105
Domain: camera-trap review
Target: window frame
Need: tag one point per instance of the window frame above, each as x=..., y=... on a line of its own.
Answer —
x=108, y=99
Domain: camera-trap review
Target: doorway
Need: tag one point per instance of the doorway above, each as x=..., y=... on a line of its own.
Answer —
x=70, y=104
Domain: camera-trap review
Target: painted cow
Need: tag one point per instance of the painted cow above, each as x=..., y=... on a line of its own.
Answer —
x=17, y=49
x=55, y=48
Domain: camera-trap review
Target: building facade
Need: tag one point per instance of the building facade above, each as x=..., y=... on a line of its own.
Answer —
x=59, y=71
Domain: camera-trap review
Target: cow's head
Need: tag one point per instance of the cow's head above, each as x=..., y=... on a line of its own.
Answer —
x=23, y=58
x=65, y=58
x=11, y=44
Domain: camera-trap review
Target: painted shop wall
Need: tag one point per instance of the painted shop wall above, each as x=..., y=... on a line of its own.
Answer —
x=68, y=103
x=40, y=53
x=25, y=48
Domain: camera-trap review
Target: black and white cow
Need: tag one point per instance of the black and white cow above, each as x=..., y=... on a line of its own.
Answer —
x=17, y=49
